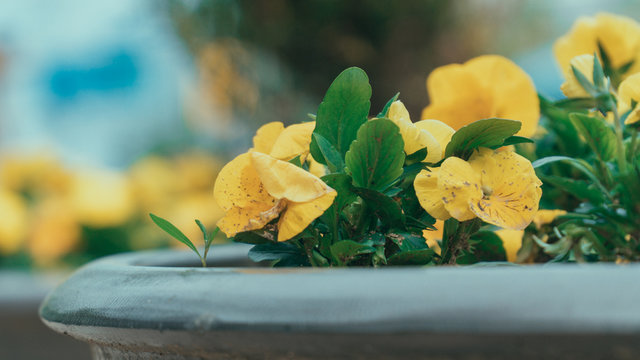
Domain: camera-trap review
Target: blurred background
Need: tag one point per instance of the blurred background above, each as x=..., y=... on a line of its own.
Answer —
x=111, y=109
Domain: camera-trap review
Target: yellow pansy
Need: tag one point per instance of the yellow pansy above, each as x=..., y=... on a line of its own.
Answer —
x=512, y=239
x=619, y=36
x=433, y=236
x=55, y=231
x=13, y=226
x=484, y=87
x=266, y=136
x=571, y=87
x=432, y=134
x=255, y=188
x=499, y=187
x=629, y=92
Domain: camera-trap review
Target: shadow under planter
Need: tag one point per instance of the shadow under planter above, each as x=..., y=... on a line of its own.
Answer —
x=150, y=305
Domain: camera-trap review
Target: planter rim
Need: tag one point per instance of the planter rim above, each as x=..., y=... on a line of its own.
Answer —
x=143, y=291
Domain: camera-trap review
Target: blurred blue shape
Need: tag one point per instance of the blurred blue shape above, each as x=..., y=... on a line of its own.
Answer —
x=115, y=72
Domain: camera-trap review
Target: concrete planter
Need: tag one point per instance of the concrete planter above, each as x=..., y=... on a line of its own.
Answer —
x=145, y=306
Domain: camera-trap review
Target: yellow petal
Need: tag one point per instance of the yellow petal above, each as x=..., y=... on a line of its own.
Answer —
x=628, y=92
x=294, y=140
x=571, y=87
x=266, y=136
x=429, y=195
x=510, y=187
x=283, y=180
x=433, y=236
x=14, y=224
x=460, y=186
x=544, y=217
x=511, y=241
x=250, y=218
x=298, y=216
x=238, y=185
x=316, y=168
x=441, y=132
x=414, y=138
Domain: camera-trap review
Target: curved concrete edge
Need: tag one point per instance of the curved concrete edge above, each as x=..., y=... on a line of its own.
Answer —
x=126, y=292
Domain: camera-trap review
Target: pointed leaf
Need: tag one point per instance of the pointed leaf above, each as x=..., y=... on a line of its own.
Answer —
x=597, y=134
x=346, y=250
x=485, y=133
x=330, y=154
x=385, y=109
x=412, y=257
x=170, y=229
x=385, y=208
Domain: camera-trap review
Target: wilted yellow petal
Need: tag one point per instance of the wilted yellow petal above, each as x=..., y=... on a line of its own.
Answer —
x=429, y=195
x=460, y=186
x=628, y=92
x=510, y=189
x=571, y=87
x=619, y=36
x=250, y=218
x=238, y=185
x=511, y=241
x=266, y=136
x=414, y=138
x=294, y=140
x=298, y=216
x=488, y=86
x=441, y=132
x=544, y=217
x=283, y=180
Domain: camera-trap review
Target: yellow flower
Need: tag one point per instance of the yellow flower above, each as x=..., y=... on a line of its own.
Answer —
x=432, y=236
x=13, y=226
x=571, y=87
x=101, y=198
x=432, y=134
x=619, y=36
x=284, y=143
x=484, y=87
x=511, y=242
x=55, y=231
x=255, y=188
x=499, y=187
x=40, y=174
x=629, y=92
x=544, y=217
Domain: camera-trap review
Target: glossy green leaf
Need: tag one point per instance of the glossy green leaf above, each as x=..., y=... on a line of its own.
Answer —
x=279, y=251
x=376, y=157
x=512, y=140
x=383, y=207
x=582, y=190
x=482, y=133
x=597, y=134
x=255, y=237
x=407, y=241
x=344, y=109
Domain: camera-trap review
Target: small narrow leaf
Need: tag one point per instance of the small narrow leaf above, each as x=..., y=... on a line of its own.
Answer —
x=385, y=109
x=584, y=82
x=412, y=257
x=598, y=73
x=170, y=229
x=512, y=140
x=330, y=154
x=346, y=250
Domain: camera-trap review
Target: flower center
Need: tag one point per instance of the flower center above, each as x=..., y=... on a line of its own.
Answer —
x=486, y=192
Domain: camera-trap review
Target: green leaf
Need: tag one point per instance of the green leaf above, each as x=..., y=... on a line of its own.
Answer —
x=576, y=103
x=597, y=134
x=485, y=133
x=170, y=229
x=280, y=251
x=578, y=188
x=408, y=241
x=512, y=140
x=341, y=183
x=344, y=108
x=578, y=164
x=412, y=257
x=598, y=73
x=417, y=156
x=584, y=82
x=486, y=246
x=385, y=109
x=346, y=250
x=384, y=208
x=330, y=154
x=376, y=157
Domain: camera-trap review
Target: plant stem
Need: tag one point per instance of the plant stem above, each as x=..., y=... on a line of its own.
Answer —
x=621, y=158
x=459, y=240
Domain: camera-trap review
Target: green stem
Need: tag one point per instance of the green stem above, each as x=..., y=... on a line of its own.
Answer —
x=634, y=144
x=459, y=241
x=204, y=261
x=621, y=158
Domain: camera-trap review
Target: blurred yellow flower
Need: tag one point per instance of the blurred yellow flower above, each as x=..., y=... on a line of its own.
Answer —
x=101, y=198
x=419, y=135
x=544, y=217
x=14, y=223
x=255, y=188
x=500, y=187
x=54, y=231
x=484, y=87
x=628, y=93
x=511, y=241
x=39, y=175
x=618, y=35
x=155, y=182
x=571, y=88
x=196, y=205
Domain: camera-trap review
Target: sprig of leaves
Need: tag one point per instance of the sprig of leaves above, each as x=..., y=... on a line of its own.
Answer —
x=172, y=230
